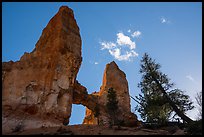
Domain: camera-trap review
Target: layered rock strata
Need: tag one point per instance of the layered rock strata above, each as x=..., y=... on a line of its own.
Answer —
x=40, y=88
x=114, y=78
x=41, y=83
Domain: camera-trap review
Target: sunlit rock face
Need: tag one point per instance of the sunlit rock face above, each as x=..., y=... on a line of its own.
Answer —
x=40, y=88
x=114, y=78
x=40, y=84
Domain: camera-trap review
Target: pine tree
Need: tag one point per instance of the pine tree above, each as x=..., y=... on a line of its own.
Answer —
x=159, y=100
x=112, y=106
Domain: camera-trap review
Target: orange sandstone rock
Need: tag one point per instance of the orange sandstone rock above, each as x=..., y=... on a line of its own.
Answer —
x=41, y=82
x=40, y=88
x=113, y=78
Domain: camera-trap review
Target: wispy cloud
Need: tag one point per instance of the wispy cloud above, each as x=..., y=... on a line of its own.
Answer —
x=190, y=78
x=116, y=53
x=107, y=45
x=136, y=34
x=164, y=20
x=96, y=63
x=122, y=49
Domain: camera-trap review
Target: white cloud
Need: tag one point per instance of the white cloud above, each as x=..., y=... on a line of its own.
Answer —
x=190, y=78
x=164, y=20
x=136, y=34
x=116, y=53
x=128, y=55
x=96, y=63
x=107, y=45
x=122, y=49
x=125, y=40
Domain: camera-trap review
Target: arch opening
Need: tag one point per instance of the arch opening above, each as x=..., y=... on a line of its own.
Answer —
x=77, y=114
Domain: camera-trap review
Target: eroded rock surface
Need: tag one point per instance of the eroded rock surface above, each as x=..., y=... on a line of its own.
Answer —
x=40, y=84
x=113, y=78
x=40, y=88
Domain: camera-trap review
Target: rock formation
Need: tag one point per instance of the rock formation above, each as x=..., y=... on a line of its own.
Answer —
x=113, y=78
x=40, y=88
x=41, y=83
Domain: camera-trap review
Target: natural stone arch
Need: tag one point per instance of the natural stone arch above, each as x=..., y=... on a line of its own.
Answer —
x=45, y=80
x=96, y=102
x=81, y=96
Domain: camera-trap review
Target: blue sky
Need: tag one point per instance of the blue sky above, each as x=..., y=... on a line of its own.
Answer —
x=171, y=33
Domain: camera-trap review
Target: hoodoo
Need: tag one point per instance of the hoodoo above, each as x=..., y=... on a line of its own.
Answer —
x=114, y=78
x=38, y=89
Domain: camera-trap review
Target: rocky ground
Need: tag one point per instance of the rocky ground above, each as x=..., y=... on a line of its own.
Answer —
x=99, y=130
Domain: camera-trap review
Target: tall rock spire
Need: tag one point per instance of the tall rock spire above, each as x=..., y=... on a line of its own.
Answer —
x=114, y=78
x=41, y=82
x=62, y=27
